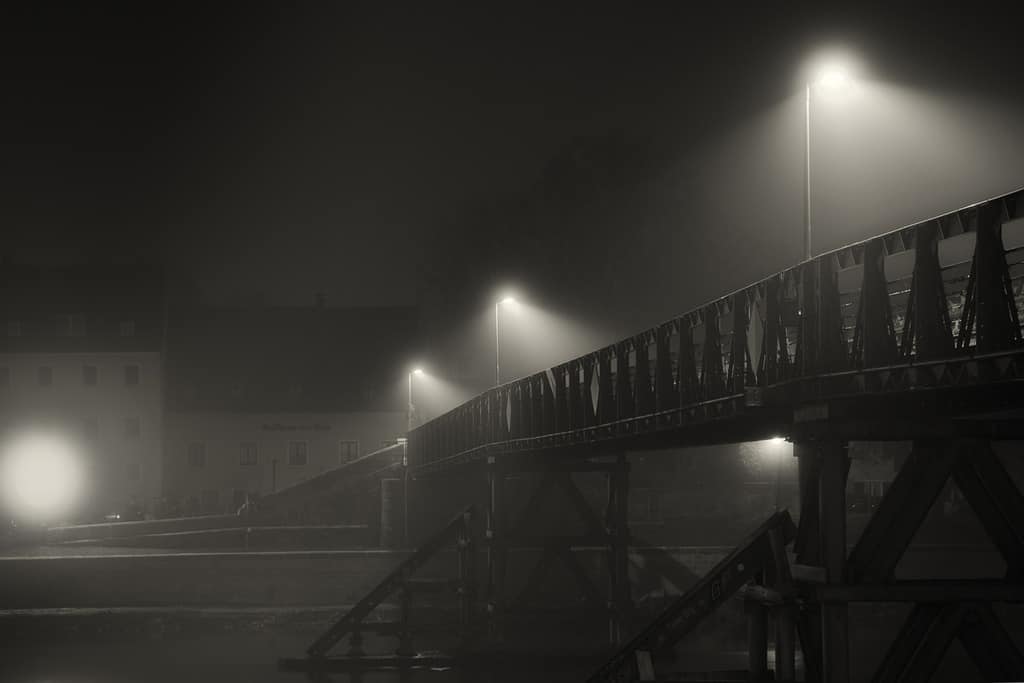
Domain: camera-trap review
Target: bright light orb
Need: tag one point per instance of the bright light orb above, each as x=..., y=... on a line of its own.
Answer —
x=509, y=301
x=417, y=371
x=833, y=77
x=778, y=440
x=41, y=476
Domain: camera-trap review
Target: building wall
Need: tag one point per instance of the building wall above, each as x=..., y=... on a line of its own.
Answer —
x=218, y=480
x=115, y=422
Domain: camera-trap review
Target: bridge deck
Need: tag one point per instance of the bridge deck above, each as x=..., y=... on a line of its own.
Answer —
x=914, y=331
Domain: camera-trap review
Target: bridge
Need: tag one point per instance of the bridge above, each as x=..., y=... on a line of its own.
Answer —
x=913, y=335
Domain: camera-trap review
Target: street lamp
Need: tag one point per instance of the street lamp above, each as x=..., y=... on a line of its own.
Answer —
x=834, y=77
x=507, y=301
x=412, y=407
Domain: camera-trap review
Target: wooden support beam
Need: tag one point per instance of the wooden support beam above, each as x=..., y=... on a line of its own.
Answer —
x=757, y=640
x=832, y=534
x=785, y=643
x=496, y=549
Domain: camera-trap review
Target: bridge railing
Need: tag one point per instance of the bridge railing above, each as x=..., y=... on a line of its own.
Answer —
x=940, y=289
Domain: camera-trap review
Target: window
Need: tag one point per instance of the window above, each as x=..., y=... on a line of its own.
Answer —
x=45, y=376
x=127, y=328
x=347, y=451
x=247, y=456
x=132, y=428
x=89, y=375
x=131, y=375
x=197, y=454
x=14, y=328
x=298, y=453
x=133, y=471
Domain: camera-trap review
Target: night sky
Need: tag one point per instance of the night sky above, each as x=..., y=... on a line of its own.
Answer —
x=623, y=163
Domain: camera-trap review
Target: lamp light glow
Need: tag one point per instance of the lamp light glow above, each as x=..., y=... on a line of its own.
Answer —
x=41, y=475
x=417, y=371
x=833, y=76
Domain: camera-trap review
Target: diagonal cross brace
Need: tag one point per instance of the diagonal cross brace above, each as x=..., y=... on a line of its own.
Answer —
x=902, y=510
x=350, y=621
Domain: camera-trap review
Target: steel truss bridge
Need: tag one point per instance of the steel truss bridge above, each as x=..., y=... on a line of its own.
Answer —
x=914, y=335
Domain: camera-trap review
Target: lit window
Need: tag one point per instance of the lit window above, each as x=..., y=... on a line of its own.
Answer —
x=247, y=456
x=131, y=375
x=197, y=454
x=347, y=451
x=298, y=453
x=45, y=376
x=89, y=375
x=127, y=328
x=133, y=471
x=131, y=427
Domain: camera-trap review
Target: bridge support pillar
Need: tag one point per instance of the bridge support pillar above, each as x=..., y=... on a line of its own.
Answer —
x=497, y=548
x=785, y=643
x=617, y=525
x=757, y=640
x=821, y=542
x=835, y=465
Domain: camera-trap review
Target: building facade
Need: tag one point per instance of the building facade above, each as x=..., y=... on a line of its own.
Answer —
x=80, y=361
x=216, y=459
x=262, y=398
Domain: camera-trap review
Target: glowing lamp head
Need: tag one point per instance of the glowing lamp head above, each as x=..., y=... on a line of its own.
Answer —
x=833, y=77
x=41, y=476
x=777, y=440
x=509, y=301
x=417, y=371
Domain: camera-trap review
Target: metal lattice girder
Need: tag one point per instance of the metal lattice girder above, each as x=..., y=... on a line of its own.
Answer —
x=901, y=512
x=774, y=363
x=874, y=341
x=989, y=305
x=712, y=376
x=743, y=564
x=739, y=361
x=802, y=304
x=927, y=330
x=666, y=396
x=689, y=382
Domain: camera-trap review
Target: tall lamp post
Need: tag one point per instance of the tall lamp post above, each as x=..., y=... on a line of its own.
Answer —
x=412, y=406
x=831, y=76
x=507, y=301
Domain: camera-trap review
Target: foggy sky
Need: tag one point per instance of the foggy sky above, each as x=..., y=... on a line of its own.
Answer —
x=625, y=163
